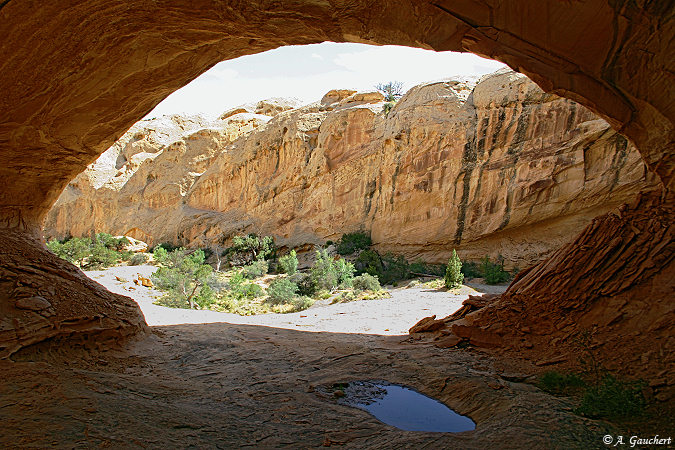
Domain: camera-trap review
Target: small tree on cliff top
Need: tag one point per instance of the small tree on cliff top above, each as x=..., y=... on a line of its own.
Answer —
x=453, y=272
x=392, y=90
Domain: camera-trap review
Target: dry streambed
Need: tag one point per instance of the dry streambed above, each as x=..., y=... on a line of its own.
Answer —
x=388, y=316
x=233, y=385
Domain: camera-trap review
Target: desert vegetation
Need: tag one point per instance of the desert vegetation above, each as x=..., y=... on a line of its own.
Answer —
x=102, y=251
x=391, y=269
x=392, y=91
x=453, y=272
x=256, y=280
x=259, y=278
x=598, y=393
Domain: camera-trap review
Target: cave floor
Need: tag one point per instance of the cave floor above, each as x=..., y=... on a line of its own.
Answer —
x=221, y=385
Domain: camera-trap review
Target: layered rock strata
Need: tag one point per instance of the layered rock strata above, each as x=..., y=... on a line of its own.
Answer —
x=501, y=168
x=623, y=323
x=46, y=299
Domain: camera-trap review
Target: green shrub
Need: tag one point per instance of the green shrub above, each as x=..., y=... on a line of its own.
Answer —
x=205, y=297
x=494, y=273
x=453, y=272
x=168, y=258
x=301, y=303
x=327, y=274
x=388, y=268
x=138, y=259
x=241, y=289
x=101, y=257
x=351, y=242
x=369, y=262
x=395, y=269
x=558, y=383
x=73, y=250
x=249, y=248
x=185, y=277
x=168, y=246
x=612, y=399
x=111, y=242
x=289, y=263
x=281, y=290
x=104, y=251
x=323, y=273
x=255, y=270
x=420, y=267
x=366, y=282
x=471, y=270
x=305, y=284
x=345, y=273
x=388, y=106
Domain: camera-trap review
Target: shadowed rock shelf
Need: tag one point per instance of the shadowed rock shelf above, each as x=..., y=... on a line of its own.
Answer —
x=236, y=385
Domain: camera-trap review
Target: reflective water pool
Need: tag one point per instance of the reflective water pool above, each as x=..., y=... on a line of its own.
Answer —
x=403, y=407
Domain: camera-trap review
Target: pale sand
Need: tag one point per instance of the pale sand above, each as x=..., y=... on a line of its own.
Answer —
x=390, y=316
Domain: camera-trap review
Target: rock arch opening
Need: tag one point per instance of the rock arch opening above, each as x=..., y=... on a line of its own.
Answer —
x=117, y=60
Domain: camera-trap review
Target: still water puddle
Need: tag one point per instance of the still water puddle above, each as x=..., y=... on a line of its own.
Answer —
x=401, y=407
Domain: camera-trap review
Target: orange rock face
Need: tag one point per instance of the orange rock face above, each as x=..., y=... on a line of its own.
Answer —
x=614, y=305
x=76, y=74
x=499, y=169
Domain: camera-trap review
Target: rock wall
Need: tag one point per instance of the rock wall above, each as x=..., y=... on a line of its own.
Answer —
x=558, y=313
x=496, y=168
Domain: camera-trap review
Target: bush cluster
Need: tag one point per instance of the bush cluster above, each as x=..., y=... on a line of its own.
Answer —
x=138, y=259
x=388, y=268
x=471, y=269
x=494, y=273
x=603, y=398
x=168, y=246
x=282, y=290
x=289, y=263
x=351, y=242
x=240, y=289
x=255, y=270
x=329, y=274
x=391, y=269
x=103, y=251
x=612, y=399
x=247, y=249
x=305, y=284
x=366, y=282
x=326, y=275
x=185, y=277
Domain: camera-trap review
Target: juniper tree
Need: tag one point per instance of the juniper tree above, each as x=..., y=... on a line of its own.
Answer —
x=453, y=272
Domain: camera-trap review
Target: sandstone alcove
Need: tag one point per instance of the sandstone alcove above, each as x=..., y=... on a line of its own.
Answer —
x=77, y=74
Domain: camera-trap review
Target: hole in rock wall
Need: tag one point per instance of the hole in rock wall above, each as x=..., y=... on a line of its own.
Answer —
x=305, y=144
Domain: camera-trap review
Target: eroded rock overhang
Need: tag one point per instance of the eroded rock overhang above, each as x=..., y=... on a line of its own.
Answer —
x=76, y=74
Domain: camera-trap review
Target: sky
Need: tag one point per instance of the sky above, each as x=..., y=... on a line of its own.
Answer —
x=307, y=72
